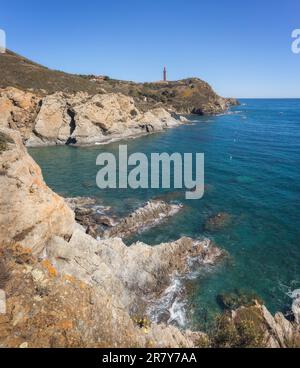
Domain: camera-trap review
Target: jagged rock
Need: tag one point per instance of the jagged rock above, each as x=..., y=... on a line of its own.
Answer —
x=100, y=222
x=143, y=218
x=45, y=309
x=254, y=327
x=111, y=264
x=276, y=332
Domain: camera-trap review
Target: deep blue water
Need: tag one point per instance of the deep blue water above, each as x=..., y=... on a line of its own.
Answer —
x=252, y=172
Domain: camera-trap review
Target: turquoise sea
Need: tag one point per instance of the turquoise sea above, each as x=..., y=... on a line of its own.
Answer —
x=252, y=172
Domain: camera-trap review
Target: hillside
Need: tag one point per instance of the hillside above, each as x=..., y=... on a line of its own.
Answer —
x=186, y=96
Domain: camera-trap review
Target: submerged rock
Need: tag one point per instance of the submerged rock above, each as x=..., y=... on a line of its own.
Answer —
x=218, y=222
x=237, y=299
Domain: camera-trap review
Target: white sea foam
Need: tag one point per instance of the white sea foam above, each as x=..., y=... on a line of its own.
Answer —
x=171, y=306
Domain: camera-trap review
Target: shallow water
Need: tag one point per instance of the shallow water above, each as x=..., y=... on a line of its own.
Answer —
x=252, y=172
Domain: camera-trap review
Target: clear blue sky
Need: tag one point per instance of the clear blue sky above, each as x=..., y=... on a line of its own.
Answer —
x=242, y=48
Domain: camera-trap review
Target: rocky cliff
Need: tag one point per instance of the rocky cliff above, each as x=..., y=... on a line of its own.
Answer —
x=79, y=118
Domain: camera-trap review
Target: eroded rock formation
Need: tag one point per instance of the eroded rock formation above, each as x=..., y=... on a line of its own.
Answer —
x=79, y=118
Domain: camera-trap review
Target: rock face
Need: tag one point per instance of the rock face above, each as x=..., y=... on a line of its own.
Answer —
x=45, y=309
x=110, y=264
x=85, y=292
x=29, y=211
x=279, y=332
x=79, y=118
x=18, y=110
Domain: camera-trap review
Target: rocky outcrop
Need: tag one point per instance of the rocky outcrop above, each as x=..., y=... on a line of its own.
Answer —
x=78, y=118
x=45, y=309
x=112, y=265
x=278, y=331
x=92, y=215
x=65, y=289
x=253, y=326
x=100, y=222
x=186, y=96
x=152, y=214
x=18, y=110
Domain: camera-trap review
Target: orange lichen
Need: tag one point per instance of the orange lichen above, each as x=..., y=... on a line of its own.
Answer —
x=49, y=267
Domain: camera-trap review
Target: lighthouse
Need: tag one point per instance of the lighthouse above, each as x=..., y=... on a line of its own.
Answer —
x=165, y=74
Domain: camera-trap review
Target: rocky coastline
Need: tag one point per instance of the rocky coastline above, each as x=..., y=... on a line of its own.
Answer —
x=54, y=108
x=67, y=278
x=64, y=288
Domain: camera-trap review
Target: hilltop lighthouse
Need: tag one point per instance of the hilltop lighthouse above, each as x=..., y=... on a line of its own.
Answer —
x=165, y=74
